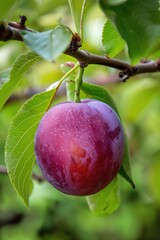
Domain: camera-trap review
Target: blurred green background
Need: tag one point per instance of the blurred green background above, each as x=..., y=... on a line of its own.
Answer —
x=53, y=215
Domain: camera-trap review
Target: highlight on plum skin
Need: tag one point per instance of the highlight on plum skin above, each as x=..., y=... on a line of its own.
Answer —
x=79, y=147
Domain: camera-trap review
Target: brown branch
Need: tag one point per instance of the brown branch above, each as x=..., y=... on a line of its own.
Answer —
x=3, y=170
x=8, y=218
x=24, y=95
x=12, y=31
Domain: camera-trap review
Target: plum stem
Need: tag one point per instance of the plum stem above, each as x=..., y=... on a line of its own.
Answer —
x=78, y=83
x=64, y=78
x=70, y=89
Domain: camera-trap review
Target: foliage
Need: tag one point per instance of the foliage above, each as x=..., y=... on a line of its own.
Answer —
x=19, y=151
x=128, y=25
x=49, y=44
x=22, y=64
x=138, y=23
x=112, y=41
x=107, y=200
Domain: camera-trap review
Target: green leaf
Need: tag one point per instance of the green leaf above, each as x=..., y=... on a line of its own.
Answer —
x=50, y=44
x=138, y=23
x=97, y=92
x=125, y=170
x=115, y=2
x=112, y=40
x=21, y=65
x=101, y=94
x=19, y=149
x=4, y=76
x=106, y=201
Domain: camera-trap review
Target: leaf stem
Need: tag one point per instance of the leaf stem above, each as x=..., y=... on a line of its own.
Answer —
x=72, y=13
x=81, y=20
x=78, y=83
x=70, y=87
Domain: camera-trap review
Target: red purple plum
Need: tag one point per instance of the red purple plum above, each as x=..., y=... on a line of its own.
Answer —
x=79, y=147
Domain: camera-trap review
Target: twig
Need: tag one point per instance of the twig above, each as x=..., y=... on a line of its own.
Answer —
x=12, y=31
x=8, y=218
x=24, y=95
x=3, y=170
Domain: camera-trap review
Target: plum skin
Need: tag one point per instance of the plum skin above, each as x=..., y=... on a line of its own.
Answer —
x=79, y=146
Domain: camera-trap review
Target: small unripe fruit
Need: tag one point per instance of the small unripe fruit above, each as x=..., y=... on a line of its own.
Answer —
x=79, y=146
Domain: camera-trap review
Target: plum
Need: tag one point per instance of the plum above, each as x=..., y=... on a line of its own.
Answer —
x=79, y=147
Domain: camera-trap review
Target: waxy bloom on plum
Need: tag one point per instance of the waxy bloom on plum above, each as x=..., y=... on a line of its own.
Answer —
x=79, y=146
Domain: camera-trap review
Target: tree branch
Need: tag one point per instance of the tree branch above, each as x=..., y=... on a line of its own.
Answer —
x=12, y=31
x=8, y=218
x=3, y=170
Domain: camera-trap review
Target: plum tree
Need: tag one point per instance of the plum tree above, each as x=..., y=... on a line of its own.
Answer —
x=79, y=146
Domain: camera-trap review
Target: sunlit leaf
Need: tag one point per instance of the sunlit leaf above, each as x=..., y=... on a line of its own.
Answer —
x=50, y=44
x=21, y=65
x=112, y=40
x=19, y=149
x=106, y=201
x=138, y=23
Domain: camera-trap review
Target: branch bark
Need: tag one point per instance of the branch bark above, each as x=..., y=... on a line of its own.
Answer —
x=12, y=31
